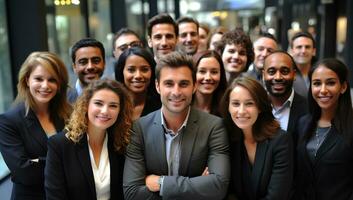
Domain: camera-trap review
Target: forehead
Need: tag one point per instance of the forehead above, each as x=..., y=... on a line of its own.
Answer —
x=106, y=95
x=88, y=52
x=278, y=60
x=302, y=41
x=187, y=26
x=126, y=39
x=239, y=93
x=322, y=72
x=176, y=74
x=238, y=47
x=266, y=42
x=163, y=29
x=202, y=31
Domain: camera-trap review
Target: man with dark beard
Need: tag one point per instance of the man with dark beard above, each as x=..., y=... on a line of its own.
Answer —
x=278, y=75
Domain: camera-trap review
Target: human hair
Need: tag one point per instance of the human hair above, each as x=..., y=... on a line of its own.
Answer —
x=138, y=51
x=266, y=124
x=87, y=42
x=238, y=37
x=303, y=34
x=185, y=19
x=267, y=35
x=162, y=18
x=120, y=130
x=58, y=105
x=342, y=120
x=219, y=30
x=222, y=86
x=175, y=59
x=294, y=66
x=205, y=27
x=123, y=31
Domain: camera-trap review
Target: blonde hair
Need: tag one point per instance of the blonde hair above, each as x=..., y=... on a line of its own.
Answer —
x=77, y=125
x=58, y=105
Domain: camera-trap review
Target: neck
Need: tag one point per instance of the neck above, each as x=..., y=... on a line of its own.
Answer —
x=304, y=68
x=248, y=136
x=203, y=101
x=279, y=101
x=96, y=136
x=41, y=110
x=139, y=98
x=326, y=117
x=174, y=121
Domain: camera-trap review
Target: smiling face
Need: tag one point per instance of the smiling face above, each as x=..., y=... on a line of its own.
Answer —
x=176, y=88
x=208, y=75
x=203, y=37
x=279, y=74
x=137, y=74
x=163, y=39
x=303, y=50
x=188, y=37
x=42, y=86
x=234, y=58
x=103, y=110
x=262, y=48
x=89, y=64
x=326, y=88
x=242, y=108
x=124, y=42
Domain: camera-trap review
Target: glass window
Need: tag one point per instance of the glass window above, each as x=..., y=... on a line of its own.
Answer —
x=6, y=94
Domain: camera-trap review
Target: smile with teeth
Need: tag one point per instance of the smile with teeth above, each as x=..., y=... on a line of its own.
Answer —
x=324, y=98
x=44, y=92
x=103, y=118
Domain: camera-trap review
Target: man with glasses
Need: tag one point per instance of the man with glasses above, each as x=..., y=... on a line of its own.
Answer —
x=123, y=39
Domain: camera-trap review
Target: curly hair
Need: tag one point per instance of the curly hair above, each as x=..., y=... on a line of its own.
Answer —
x=78, y=123
x=238, y=37
x=266, y=125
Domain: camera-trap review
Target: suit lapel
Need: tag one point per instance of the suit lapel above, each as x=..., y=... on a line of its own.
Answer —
x=260, y=156
x=115, y=169
x=159, y=142
x=84, y=159
x=328, y=143
x=35, y=129
x=188, y=142
x=294, y=112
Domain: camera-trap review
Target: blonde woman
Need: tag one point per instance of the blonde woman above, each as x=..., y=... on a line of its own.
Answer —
x=38, y=113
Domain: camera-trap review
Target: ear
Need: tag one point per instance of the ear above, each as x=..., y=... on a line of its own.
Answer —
x=74, y=67
x=157, y=86
x=149, y=41
x=344, y=87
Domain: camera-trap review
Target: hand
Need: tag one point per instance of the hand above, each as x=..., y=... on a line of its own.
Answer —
x=205, y=172
x=152, y=183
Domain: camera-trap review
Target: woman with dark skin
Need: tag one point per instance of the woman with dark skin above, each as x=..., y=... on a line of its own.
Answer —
x=135, y=69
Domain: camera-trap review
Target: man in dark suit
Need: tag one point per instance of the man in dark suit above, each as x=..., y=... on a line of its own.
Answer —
x=88, y=62
x=177, y=152
x=278, y=75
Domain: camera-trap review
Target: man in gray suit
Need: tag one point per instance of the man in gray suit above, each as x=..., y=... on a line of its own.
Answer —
x=177, y=152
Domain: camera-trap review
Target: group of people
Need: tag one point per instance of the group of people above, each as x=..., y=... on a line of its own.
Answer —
x=206, y=115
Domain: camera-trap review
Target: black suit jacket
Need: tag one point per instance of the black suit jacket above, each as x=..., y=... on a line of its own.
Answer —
x=298, y=109
x=272, y=172
x=23, y=144
x=330, y=176
x=69, y=175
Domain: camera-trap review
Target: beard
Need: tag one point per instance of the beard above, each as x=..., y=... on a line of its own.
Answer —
x=288, y=84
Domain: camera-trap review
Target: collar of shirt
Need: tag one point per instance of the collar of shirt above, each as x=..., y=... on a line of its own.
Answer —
x=171, y=132
x=286, y=104
x=78, y=87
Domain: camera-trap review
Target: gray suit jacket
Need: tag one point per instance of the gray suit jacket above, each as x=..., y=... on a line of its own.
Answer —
x=204, y=143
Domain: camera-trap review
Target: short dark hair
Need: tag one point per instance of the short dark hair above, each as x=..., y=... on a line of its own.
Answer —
x=175, y=59
x=124, y=31
x=237, y=36
x=267, y=35
x=138, y=51
x=162, y=18
x=186, y=19
x=266, y=125
x=286, y=53
x=87, y=42
x=303, y=34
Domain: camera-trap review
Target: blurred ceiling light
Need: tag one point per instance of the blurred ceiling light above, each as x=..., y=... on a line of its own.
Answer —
x=194, y=6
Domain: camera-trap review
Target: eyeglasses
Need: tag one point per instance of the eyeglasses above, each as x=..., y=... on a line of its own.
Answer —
x=129, y=45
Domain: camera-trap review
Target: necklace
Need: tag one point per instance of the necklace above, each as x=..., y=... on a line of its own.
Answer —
x=320, y=135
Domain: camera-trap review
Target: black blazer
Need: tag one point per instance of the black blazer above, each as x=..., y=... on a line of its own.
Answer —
x=331, y=174
x=69, y=175
x=152, y=103
x=22, y=140
x=298, y=109
x=272, y=172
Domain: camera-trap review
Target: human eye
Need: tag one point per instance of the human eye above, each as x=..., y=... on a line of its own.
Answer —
x=130, y=69
x=235, y=103
x=243, y=53
x=157, y=36
x=168, y=83
x=285, y=71
x=316, y=83
x=250, y=103
x=82, y=62
x=145, y=69
x=98, y=103
x=214, y=71
x=96, y=60
x=114, y=105
x=271, y=71
x=184, y=84
x=260, y=48
x=202, y=71
x=183, y=35
x=123, y=47
x=331, y=82
x=169, y=36
x=52, y=80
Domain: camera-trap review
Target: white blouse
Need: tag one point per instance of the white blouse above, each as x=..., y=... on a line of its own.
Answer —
x=101, y=173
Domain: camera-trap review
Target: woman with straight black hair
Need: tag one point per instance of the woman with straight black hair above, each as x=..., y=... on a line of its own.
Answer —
x=325, y=151
x=136, y=70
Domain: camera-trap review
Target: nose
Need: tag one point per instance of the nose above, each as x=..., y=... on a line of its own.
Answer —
x=278, y=75
x=323, y=88
x=45, y=84
x=265, y=52
x=176, y=90
x=138, y=74
x=164, y=41
x=235, y=54
x=104, y=109
x=90, y=65
x=208, y=76
x=241, y=108
x=188, y=38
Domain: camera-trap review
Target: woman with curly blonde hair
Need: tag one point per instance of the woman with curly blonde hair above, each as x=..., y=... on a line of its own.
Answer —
x=86, y=161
